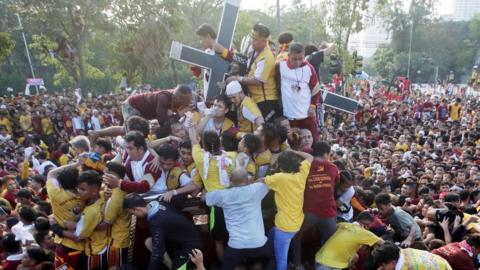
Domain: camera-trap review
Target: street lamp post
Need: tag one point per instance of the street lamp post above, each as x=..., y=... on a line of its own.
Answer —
x=278, y=16
x=410, y=50
x=20, y=27
x=411, y=37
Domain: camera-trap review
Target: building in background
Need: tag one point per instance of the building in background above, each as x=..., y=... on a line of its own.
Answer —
x=369, y=39
x=463, y=10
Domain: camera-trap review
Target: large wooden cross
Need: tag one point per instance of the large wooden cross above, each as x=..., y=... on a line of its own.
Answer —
x=216, y=65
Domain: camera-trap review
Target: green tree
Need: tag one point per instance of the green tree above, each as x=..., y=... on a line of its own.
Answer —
x=7, y=44
x=66, y=27
x=345, y=17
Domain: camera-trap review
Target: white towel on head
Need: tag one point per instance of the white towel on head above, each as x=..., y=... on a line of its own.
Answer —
x=223, y=163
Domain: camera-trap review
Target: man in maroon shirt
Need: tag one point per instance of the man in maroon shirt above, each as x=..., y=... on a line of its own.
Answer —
x=460, y=255
x=141, y=176
x=319, y=206
x=428, y=108
x=151, y=105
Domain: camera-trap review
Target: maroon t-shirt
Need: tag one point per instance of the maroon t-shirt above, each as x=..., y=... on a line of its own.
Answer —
x=427, y=106
x=456, y=256
x=319, y=190
x=154, y=105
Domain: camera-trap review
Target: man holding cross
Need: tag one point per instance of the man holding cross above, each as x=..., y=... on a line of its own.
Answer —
x=261, y=72
x=207, y=35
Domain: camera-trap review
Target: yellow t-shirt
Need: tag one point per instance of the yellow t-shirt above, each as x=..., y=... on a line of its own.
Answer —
x=95, y=240
x=262, y=162
x=26, y=122
x=422, y=260
x=455, y=111
x=401, y=147
x=471, y=225
x=7, y=124
x=63, y=160
x=63, y=202
x=289, y=189
x=247, y=114
x=47, y=126
x=227, y=124
x=119, y=218
x=213, y=180
x=267, y=91
x=344, y=244
x=190, y=169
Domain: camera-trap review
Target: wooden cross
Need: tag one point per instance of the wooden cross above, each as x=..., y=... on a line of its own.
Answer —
x=216, y=65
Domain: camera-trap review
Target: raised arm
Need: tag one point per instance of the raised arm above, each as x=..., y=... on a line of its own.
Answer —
x=304, y=155
x=204, y=121
x=112, y=131
x=55, y=172
x=192, y=133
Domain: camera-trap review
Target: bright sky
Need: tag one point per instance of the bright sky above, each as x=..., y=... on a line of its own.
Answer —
x=444, y=6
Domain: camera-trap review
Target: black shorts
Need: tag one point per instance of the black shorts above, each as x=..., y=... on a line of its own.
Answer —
x=218, y=229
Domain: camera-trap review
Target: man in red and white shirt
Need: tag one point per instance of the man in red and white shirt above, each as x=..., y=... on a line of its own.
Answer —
x=300, y=89
x=141, y=176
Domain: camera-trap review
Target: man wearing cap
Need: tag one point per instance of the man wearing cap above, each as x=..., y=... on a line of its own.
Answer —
x=300, y=89
x=261, y=72
x=248, y=114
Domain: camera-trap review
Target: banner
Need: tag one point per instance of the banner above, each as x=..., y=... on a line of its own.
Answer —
x=35, y=81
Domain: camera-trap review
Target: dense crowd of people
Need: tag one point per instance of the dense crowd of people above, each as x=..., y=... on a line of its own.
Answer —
x=262, y=177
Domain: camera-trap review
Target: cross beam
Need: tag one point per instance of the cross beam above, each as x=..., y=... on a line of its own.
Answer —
x=216, y=65
x=339, y=102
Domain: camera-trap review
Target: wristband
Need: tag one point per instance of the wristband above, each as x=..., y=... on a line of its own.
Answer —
x=57, y=229
x=175, y=192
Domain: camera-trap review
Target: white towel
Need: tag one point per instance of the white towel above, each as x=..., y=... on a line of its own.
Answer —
x=223, y=163
x=138, y=168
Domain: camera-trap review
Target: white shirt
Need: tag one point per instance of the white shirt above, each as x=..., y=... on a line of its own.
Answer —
x=41, y=168
x=242, y=207
x=295, y=89
x=23, y=232
x=346, y=198
x=77, y=122
x=161, y=183
x=95, y=123
x=210, y=126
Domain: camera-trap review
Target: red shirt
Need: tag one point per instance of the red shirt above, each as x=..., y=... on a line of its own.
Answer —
x=427, y=106
x=11, y=198
x=319, y=190
x=456, y=256
x=153, y=105
x=67, y=123
x=11, y=264
x=37, y=123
